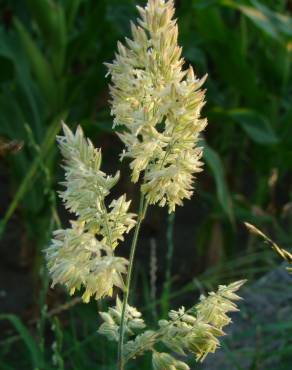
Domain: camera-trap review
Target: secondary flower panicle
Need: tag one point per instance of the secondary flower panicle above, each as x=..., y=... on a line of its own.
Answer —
x=86, y=187
x=196, y=331
x=83, y=255
x=158, y=104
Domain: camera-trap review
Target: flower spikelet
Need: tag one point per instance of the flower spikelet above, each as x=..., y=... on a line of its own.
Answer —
x=86, y=187
x=197, y=330
x=158, y=104
x=112, y=321
x=85, y=184
x=213, y=309
x=164, y=361
x=142, y=343
x=83, y=255
x=183, y=335
x=119, y=219
x=76, y=258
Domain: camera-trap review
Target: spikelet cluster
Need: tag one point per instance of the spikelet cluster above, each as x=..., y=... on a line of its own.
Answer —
x=112, y=321
x=158, y=103
x=163, y=361
x=213, y=309
x=195, y=331
x=142, y=343
x=83, y=255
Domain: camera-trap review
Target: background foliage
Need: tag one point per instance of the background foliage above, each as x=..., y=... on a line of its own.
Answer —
x=51, y=68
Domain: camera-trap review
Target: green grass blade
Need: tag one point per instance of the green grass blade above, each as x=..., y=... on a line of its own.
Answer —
x=272, y=23
x=28, y=179
x=39, y=65
x=31, y=344
x=214, y=162
x=255, y=125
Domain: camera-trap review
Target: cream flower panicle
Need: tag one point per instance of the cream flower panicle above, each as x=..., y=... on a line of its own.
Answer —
x=196, y=330
x=86, y=187
x=77, y=259
x=83, y=255
x=158, y=104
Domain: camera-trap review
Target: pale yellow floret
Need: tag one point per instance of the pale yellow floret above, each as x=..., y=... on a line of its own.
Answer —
x=164, y=361
x=112, y=320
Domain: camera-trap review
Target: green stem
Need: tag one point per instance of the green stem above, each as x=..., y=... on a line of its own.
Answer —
x=169, y=256
x=142, y=211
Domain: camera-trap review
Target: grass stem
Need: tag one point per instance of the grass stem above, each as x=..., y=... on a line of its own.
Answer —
x=169, y=257
x=142, y=211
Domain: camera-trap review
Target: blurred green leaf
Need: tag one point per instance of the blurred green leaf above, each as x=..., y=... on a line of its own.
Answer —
x=28, y=179
x=72, y=7
x=39, y=65
x=196, y=56
x=219, y=42
x=274, y=24
x=119, y=12
x=203, y=3
x=50, y=18
x=10, y=48
x=11, y=118
x=282, y=23
x=214, y=162
x=255, y=125
x=6, y=69
x=29, y=341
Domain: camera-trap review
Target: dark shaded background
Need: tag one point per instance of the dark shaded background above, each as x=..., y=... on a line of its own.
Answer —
x=51, y=68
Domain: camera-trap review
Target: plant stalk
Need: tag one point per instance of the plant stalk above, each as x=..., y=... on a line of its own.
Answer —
x=142, y=211
x=169, y=256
